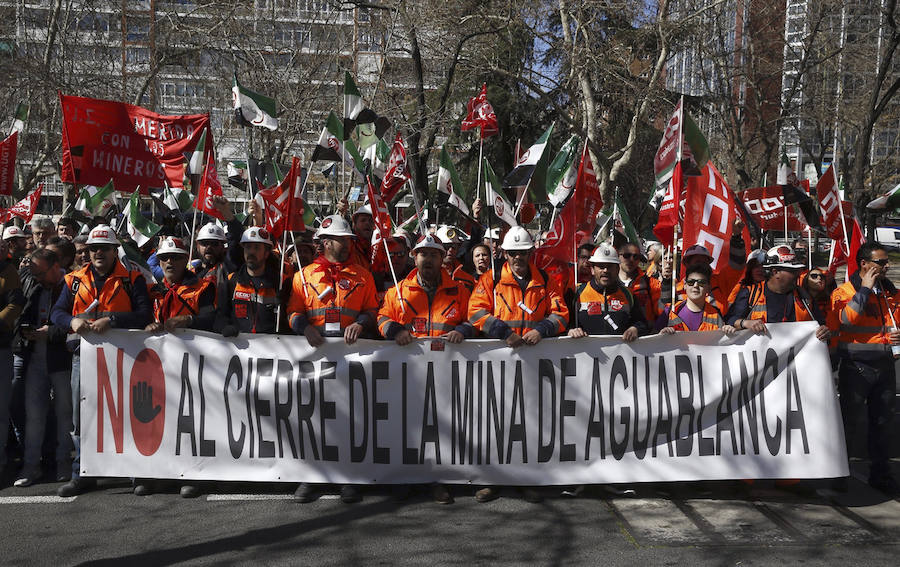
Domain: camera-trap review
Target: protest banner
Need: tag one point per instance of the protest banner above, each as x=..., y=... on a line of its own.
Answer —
x=766, y=205
x=688, y=406
x=104, y=139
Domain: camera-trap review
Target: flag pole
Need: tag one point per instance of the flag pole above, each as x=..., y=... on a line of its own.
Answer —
x=249, y=174
x=412, y=189
x=193, y=232
x=480, y=157
x=809, y=240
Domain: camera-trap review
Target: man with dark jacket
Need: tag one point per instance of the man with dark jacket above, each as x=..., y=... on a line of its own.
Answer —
x=11, y=302
x=47, y=364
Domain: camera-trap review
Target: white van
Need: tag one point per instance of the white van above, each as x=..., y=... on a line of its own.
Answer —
x=888, y=236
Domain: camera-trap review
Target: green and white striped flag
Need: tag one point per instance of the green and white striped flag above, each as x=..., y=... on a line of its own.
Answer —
x=253, y=109
x=196, y=158
x=563, y=172
x=178, y=199
x=493, y=192
x=20, y=117
x=623, y=223
x=132, y=259
x=140, y=228
x=531, y=169
x=449, y=184
x=889, y=200
x=96, y=201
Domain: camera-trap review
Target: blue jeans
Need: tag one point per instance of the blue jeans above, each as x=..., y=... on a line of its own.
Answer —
x=5, y=394
x=75, y=425
x=37, y=403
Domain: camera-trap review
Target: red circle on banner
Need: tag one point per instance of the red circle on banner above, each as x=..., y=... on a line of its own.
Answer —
x=147, y=401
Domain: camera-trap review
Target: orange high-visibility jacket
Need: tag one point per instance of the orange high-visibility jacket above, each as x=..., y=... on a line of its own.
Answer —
x=114, y=298
x=423, y=317
x=864, y=318
x=757, y=303
x=541, y=307
x=348, y=296
x=712, y=319
x=646, y=292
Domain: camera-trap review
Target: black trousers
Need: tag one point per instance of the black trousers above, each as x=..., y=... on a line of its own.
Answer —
x=870, y=387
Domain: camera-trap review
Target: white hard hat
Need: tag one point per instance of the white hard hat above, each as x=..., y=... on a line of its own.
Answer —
x=403, y=235
x=604, y=254
x=430, y=241
x=171, y=245
x=12, y=231
x=102, y=234
x=782, y=257
x=758, y=255
x=211, y=231
x=448, y=234
x=492, y=234
x=364, y=210
x=256, y=234
x=517, y=238
x=334, y=225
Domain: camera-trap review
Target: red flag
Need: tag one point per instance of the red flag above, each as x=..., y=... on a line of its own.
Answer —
x=709, y=215
x=104, y=139
x=209, y=187
x=282, y=203
x=845, y=254
x=829, y=204
x=8, y=163
x=379, y=210
x=479, y=112
x=670, y=211
x=589, y=202
x=25, y=208
x=397, y=173
x=766, y=205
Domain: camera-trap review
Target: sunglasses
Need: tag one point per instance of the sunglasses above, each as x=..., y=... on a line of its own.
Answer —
x=168, y=257
x=518, y=252
x=101, y=249
x=693, y=282
x=881, y=262
x=629, y=256
x=816, y=276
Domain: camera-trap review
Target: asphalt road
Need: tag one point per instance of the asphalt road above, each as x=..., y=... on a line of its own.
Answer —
x=716, y=524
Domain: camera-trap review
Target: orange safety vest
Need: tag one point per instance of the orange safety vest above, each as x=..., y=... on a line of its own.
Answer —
x=421, y=316
x=179, y=299
x=113, y=299
x=541, y=301
x=865, y=328
x=341, y=297
x=465, y=278
x=757, y=303
x=646, y=293
x=711, y=321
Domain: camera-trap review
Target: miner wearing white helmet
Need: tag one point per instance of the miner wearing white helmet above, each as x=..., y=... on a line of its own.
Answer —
x=603, y=305
x=452, y=238
x=332, y=297
x=219, y=250
x=250, y=298
x=520, y=304
x=17, y=242
x=103, y=295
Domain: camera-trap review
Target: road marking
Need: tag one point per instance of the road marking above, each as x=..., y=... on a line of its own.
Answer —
x=35, y=499
x=245, y=497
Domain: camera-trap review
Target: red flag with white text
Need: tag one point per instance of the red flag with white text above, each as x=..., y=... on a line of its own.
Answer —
x=8, y=149
x=380, y=213
x=282, y=204
x=209, y=188
x=397, y=173
x=709, y=215
x=25, y=208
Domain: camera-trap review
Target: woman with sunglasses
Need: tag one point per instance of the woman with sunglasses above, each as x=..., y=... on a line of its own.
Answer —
x=694, y=313
x=819, y=287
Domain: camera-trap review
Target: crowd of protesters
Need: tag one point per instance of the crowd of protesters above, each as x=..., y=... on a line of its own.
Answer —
x=62, y=280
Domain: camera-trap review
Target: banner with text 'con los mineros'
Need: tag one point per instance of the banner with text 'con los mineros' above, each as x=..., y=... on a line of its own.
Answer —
x=566, y=411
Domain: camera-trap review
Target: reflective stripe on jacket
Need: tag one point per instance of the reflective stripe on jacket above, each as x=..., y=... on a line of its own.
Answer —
x=316, y=295
x=423, y=316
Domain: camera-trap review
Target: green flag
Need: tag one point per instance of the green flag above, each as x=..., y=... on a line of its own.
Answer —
x=695, y=148
x=448, y=183
x=96, y=201
x=140, y=228
x=531, y=169
x=623, y=223
x=253, y=109
x=562, y=173
x=493, y=193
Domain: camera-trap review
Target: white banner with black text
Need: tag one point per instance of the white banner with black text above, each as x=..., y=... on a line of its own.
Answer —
x=689, y=406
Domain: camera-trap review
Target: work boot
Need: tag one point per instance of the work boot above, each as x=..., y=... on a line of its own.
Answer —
x=487, y=494
x=76, y=486
x=189, y=491
x=143, y=487
x=305, y=493
x=350, y=494
x=441, y=494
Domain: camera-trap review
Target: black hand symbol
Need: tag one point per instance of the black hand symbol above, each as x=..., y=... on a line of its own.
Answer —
x=142, y=402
